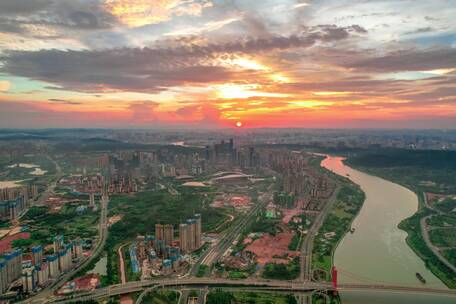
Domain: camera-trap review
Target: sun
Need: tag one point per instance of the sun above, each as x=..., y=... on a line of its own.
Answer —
x=238, y=124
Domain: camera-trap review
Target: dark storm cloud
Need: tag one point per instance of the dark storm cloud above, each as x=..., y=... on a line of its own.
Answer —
x=151, y=69
x=415, y=60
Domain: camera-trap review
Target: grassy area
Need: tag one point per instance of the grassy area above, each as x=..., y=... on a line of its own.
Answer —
x=265, y=225
x=294, y=244
x=348, y=202
x=222, y=297
x=161, y=297
x=237, y=275
x=282, y=271
x=202, y=269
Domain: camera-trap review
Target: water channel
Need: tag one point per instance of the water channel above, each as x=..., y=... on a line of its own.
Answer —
x=376, y=252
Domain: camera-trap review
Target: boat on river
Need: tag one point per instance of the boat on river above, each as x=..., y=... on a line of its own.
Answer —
x=420, y=277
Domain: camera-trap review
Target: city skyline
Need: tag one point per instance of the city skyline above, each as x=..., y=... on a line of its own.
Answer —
x=213, y=64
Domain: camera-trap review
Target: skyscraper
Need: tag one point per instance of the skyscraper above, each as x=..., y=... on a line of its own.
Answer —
x=197, y=218
x=37, y=254
x=159, y=232
x=183, y=237
x=92, y=200
x=58, y=243
x=191, y=234
x=168, y=234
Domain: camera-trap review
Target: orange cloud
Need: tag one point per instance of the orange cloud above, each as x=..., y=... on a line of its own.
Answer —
x=136, y=13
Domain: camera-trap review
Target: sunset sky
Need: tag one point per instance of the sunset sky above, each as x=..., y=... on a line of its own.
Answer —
x=213, y=63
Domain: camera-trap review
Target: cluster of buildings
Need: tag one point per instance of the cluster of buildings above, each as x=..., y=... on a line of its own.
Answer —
x=38, y=269
x=225, y=153
x=15, y=200
x=94, y=184
x=303, y=186
x=161, y=254
x=190, y=234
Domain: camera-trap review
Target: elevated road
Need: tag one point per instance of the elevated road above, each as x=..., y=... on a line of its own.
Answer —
x=269, y=285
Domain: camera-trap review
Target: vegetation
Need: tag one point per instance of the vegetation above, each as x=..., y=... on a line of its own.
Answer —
x=264, y=225
x=415, y=240
x=142, y=211
x=421, y=170
x=162, y=297
x=282, y=271
x=20, y=173
x=222, y=297
x=202, y=269
x=348, y=202
x=443, y=237
x=44, y=225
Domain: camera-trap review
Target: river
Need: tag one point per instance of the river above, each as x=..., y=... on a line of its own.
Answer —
x=377, y=252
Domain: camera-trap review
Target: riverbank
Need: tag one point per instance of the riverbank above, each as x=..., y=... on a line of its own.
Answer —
x=411, y=225
x=336, y=225
x=377, y=251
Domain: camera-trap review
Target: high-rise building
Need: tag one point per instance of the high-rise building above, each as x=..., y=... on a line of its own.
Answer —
x=42, y=271
x=159, y=232
x=58, y=243
x=64, y=258
x=13, y=265
x=92, y=200
x=141, y=247
x=191, y=234
x=37, y=255
x=77, y=249
x=3, y=277
x=28, y=279
x=197, y=218
x=168, y=234
x=183, y=237
x=53, y=263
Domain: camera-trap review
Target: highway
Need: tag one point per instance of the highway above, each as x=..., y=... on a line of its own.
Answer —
x=214, y=253
x=307, y=246
x=270, y=285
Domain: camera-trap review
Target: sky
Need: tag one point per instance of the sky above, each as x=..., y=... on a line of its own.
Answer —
x=214, y=64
